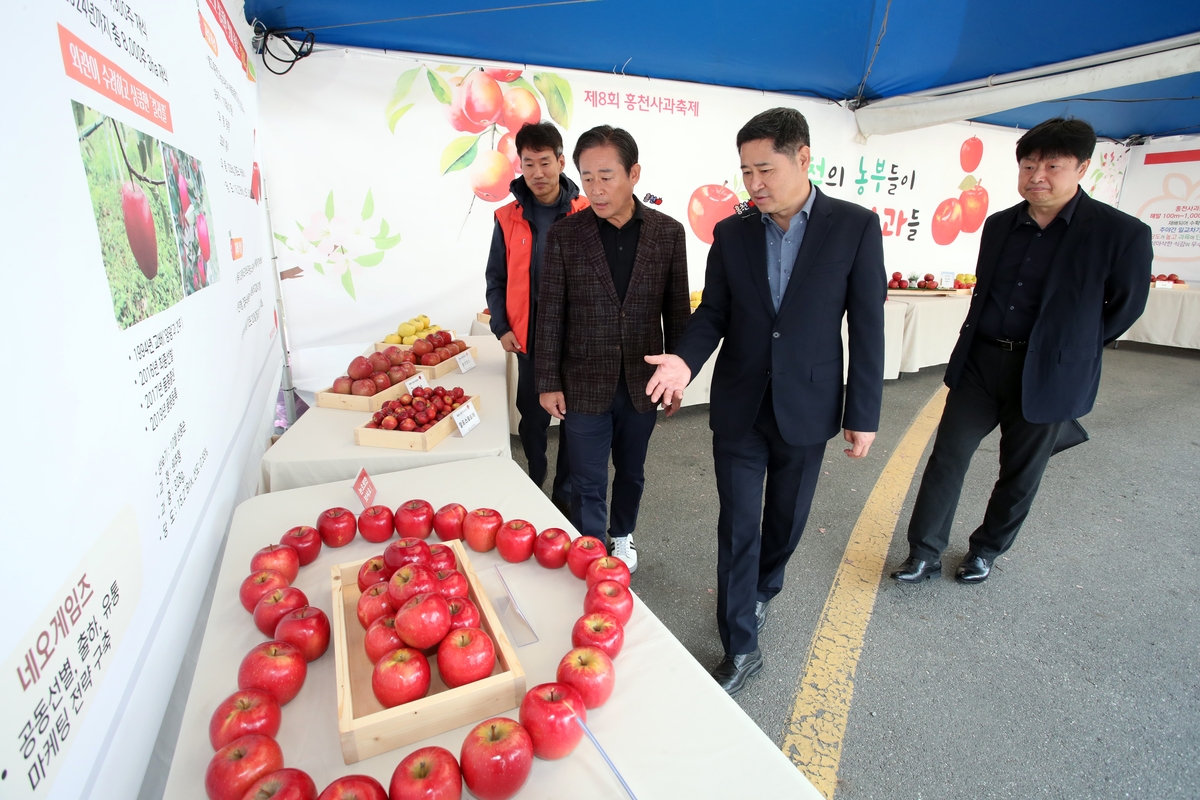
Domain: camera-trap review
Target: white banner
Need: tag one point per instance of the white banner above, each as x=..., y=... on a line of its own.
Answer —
x=140, y=333
x=1162, y=188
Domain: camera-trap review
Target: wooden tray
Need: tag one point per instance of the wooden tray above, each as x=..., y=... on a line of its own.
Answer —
x=481, y=317
x=327, y=398
x=409, y=440
x=437, y=370
x=928, y=292
x=381, y=346
x=367, y=728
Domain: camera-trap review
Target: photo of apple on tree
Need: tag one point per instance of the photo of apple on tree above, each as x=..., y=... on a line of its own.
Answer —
x=193, y=218
x=127, y=183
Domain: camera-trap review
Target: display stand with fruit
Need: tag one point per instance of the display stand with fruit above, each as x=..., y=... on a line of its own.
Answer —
x=409, y=332
x=929, y=284
x=434, y=354
x=399, y=423
x=370, y=381
x=1164, y=281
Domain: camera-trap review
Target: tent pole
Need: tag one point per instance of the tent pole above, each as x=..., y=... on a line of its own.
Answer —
x=289, y=390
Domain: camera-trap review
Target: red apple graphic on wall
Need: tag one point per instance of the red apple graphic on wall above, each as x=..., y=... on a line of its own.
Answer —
x=490, y=176
x=202, y=236
x=970, y=154
x=974, y=201
x=482, y=99
x=255, y=183
x=947, y=221
x=519, y=108
x=707, y=206
x=139, y=228
x=503, y=75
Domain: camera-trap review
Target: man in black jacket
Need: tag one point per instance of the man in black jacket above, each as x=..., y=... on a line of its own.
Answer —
x=1060, y=276
x=543, y=196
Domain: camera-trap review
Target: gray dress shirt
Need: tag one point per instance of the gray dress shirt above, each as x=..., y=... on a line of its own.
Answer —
x=783, y=246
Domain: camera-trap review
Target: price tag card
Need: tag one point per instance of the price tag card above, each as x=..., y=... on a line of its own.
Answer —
x=466, y=362
x=466, y=418
x=364, y=487
x=415, y=381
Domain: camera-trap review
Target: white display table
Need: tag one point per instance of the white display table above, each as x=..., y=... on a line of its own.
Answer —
x=320, y=447
x=1172, y=318
x=668, y=727
x=931, y=326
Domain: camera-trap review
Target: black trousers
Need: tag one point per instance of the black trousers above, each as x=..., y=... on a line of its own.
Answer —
x=535, y=421
x=988, y=394
x=755, y=539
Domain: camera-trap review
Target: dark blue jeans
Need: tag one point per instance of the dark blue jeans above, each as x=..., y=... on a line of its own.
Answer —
x=535, y=421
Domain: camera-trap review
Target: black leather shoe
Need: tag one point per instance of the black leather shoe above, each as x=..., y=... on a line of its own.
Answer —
x=973, y=569
x=760, y=613
x=914, y=570
x=734, y=671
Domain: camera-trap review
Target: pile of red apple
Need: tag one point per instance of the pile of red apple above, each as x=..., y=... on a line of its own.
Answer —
x=368, y=375
x=436, y=348
x=898, y=281
x=419, y=411
x=1173, y=278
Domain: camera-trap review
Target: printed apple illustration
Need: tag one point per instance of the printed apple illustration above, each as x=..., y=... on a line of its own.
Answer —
x=482, y=99
x=490, y=176
x=518, y=109
x=970, y=154
x=458, y=117
x=947, y=222
x=139, y=228
x=503, y=75
x=185, y=202
x=202, y=237
x=974, y=202
x=707, y=206
x=255, y=183
x=508, y=146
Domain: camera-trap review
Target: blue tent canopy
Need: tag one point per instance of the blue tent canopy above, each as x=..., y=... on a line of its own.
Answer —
x=868, y=49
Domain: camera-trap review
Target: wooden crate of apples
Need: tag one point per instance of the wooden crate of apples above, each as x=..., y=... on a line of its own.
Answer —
x=409, y=332
x=370, y=381
x=416, y=420
x=1164, y=281
x=434, y=354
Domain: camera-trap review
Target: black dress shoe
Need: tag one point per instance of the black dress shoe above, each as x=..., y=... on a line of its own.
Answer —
x=734, y=671
x=973, y=569
x=760, y=613
x=915, y=570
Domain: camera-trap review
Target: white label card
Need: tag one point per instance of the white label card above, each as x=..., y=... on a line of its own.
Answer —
x=415, y=381
x=466, y=418
x=466, y=362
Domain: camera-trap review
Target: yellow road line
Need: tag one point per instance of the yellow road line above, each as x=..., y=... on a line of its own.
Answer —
x=813, y=737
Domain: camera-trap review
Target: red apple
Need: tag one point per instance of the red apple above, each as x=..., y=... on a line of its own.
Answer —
x=931, y=284
x=610, y=596
x=599, y=629
x=448, y=521
x=590, y=672
x=244, y=712
x=259, y=584
x=548, y=713
x=364, y=388
x=400, y=676
x=441, y=558
x=337, y=526
x=410, y=580
x=139, y=228
x=382, y=381
x=306, y=540
x=584, y=551
x=452, y=583
x=342, y=385
x=236, y=766
x=519, y=108
x=275, y=605
x=354, y=787
x=359, y=368
x=496, y=758
x=277, y=668
x=893, y=284
x=897, y=276
x=903, y=284
x=479, y=529
x=1173, y=277
x=607, y=568
x=463, y=613
x=284, y=784
x=423, y=620
x=375, y=523
x=406, y=551
x=465, y=655
x=482, y=100
x=280, y=557
x=373, y=604
x=970, y=154
x=430, y=773
x=974, y=203
x=430, y=360
x=407, y=425
x=379, y=362
x=381, y=638
x=306, y=629
x=515, y=540
x=421, y=347
x=503, y=75
x=921, y=284
x=372, y=571
x=414, y=519
x=551, y=546
x=707, y=206
x=947, y=221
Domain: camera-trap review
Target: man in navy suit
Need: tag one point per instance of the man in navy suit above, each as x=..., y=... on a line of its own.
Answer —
x=1060, y=276
x=781, y=274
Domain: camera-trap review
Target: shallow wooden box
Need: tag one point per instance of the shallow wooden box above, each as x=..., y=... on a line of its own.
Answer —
x=367, y=728
x=381, y=346
x=928, y=292
x=482, y=318
x=409, y=440
x=327, y=398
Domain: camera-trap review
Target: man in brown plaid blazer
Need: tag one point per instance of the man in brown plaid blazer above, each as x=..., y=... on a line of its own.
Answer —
x=614, y=289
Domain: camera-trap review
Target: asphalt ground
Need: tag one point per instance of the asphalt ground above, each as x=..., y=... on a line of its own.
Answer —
x=1073, y=672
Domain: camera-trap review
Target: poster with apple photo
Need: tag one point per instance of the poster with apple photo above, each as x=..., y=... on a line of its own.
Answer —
x=189, y=202
x=127, y=184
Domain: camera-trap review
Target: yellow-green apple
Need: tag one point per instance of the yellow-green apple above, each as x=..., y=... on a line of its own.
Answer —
x=599, y=629
x=590, y=672
x=372, y=571
x=244, y=712
x=607, y=568
x=354, y=787
x=496, y=758
x=448, y=521
x=430, y=773
x=463, y=613
x=409, y=580
x=441, y=558
x=277, y=668
x=464, y=656
x=284, y=784
x=423, y=620
x=258, y=584
x=610, y=596
x=551, y=546
x=479, y=529
x=452, y=583
x=400, y=676
x=306, y=629
x=381, y=638
x=307, y=541
x=548, y=713
x=275, y=605
x=375, y=524
x=373, y=604
x=490, y=176
x=337, y=526
x=515, y=540
x=583, y=552
x=280, y=557
x=236, y=766
x=406, y=551
x=414, y=519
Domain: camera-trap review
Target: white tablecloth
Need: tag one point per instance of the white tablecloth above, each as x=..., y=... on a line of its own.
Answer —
x=668, y=727
x=931, y=326
x=1172, y=317
x=320, y=447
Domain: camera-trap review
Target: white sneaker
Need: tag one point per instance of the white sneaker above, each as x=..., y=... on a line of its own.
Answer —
x=622, y=548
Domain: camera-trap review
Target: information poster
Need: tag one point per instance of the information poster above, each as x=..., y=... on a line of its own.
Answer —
x=1162, y=189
